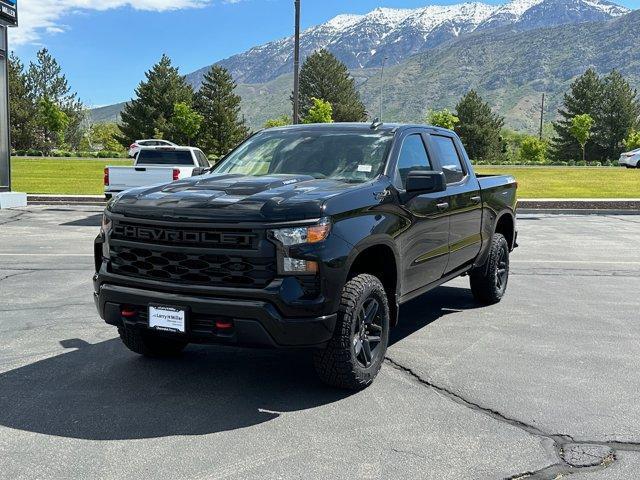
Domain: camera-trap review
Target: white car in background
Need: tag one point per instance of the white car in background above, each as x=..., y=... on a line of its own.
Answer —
x=154, y=166
x=134, y=148
x=630, y=159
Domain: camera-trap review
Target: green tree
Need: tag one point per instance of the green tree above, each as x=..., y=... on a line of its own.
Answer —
x=533, y=150
x=632, y=141
x=581, y=126
x=442, y=118
x=584, y=97
x=616, y=115
x=186, y=122
x=479, y=128
x=104, y=135
x=320, y=112
x=53, y=122
x=45, y=81
x=22, y=106
x=223, y=128
x=149, y=114
x=281, y=121
x=324, y=76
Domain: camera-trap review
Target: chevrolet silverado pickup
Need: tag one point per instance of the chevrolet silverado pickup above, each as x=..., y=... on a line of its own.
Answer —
x=155, y=165
x=308, y=237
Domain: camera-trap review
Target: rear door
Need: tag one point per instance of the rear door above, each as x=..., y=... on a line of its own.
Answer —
x=463, y=197
x=425, y=243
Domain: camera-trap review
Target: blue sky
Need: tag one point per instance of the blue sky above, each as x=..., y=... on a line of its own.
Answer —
x=105, y=46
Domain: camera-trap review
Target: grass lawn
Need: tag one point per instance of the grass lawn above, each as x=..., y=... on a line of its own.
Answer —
x=84, y=177
x=572, y=182
x=80, y=176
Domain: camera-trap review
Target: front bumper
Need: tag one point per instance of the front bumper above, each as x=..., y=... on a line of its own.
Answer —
x=254, y=323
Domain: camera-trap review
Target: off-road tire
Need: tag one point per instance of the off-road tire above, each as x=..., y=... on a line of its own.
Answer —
x=142, y=343
x=485, y=281
x=337, y=364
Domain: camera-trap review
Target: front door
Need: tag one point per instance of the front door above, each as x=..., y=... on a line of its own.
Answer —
x=465, y=205
x=425, y=241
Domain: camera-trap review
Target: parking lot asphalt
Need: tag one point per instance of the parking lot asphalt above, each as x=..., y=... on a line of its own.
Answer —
x=543, y=384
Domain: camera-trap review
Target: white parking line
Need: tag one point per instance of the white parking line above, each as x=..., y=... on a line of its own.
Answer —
x=46, y=255
x=584, y=262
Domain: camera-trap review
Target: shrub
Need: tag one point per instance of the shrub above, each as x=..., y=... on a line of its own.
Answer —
x=532, y=151
x=633, y=140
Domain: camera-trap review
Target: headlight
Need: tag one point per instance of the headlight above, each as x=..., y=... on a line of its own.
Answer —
x=299, y=235
x=105, y=225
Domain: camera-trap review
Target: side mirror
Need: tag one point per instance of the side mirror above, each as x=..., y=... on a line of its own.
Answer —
x=199, y=171
x=425, y=181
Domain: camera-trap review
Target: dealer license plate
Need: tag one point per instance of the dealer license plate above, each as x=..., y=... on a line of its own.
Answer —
x=168, y=319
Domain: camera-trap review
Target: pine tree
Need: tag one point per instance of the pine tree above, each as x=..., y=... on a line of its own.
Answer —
x=616, y=116
x=47, y=83
x=149, y=114
x=479, y=128
x=222, y=126
x=324, y=76
x=22, y=107
x=584, y=98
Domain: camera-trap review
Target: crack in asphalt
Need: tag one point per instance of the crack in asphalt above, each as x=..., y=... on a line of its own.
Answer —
x=15, y=218
x=21, y=272
x=562, y=444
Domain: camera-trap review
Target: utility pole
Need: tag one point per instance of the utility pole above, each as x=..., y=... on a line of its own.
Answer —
x=382, y=86
x=296, y=67
x=541, y=116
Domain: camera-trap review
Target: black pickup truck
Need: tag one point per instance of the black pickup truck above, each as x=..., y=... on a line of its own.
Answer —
x=304, y=237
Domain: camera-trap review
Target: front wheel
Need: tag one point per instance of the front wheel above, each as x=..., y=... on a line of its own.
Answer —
x=489, y=281
x=354, y=355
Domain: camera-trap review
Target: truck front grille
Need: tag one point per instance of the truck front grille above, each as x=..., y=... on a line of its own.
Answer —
x=161, y=260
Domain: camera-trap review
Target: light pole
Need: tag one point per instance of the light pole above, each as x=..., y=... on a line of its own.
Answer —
x=382, y=86
x=296, y=67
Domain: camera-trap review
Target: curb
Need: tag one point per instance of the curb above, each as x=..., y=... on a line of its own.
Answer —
x=66, y=200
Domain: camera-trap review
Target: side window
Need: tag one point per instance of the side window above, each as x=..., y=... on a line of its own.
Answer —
x=202, y=159
x=413, y=156
x=449, y=159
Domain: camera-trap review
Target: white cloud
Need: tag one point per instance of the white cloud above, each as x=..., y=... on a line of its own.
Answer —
x=36, y=16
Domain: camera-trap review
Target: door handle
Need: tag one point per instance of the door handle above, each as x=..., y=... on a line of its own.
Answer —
x=476, y=199
x=443, y=205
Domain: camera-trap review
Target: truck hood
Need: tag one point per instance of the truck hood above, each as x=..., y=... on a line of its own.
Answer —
x=232, y=198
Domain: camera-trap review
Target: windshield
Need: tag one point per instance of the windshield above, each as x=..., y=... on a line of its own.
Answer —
x=164, y=157
x=348, y=156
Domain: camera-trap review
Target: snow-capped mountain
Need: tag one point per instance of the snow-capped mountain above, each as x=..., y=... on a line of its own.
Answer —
x=365, y=40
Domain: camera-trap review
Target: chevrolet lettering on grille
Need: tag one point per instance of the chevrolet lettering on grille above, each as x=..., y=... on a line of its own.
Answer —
x=163, y=235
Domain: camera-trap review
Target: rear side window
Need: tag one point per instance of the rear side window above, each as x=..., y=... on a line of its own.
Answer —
x=448, y=155
x=203, y=161
x=164, y=157
x=413, y=156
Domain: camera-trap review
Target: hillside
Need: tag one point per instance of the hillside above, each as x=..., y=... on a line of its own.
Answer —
x=363, y=41
x=508, y=57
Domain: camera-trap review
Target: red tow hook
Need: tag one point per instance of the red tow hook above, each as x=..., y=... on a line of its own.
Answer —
x=224, y=325
x=128, y=312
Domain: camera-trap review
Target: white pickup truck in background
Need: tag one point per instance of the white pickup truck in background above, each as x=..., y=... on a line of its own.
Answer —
x=155, y=165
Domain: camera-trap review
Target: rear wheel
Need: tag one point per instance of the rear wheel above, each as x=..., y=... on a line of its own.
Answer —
x=143, y=343
x=353, y=357
x=489, y=282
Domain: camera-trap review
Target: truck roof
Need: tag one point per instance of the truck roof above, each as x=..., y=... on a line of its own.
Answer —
x=168, y=147
x=351, y=126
